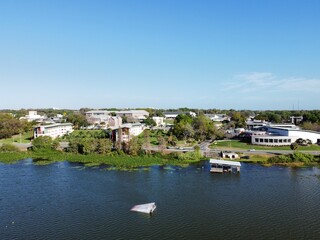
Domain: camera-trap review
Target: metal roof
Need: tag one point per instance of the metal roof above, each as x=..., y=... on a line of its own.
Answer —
x=224, y=162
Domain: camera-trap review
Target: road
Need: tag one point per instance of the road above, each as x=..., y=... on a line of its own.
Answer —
x=204, y=147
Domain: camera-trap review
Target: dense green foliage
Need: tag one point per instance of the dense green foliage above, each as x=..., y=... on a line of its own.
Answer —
x=149, y=122
x=295, y=157
x=77, y=119
x=199, y=128
x=44, y=143
x=10, y=126
x=8, y=147
x=90, y=146
x=78, y=134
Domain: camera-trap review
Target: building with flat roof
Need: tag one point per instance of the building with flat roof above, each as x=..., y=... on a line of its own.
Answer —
x=173, y=115
x=33, y=116
x=97, y=116
x=53, y=130
x=136, y=114
x=218, y=117
x=281, y=136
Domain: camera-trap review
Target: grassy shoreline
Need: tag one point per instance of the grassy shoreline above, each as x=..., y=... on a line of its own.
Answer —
x=117, y=161
x=126, y=162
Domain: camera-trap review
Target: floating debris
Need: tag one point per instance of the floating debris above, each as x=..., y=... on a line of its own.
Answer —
x=144, y=208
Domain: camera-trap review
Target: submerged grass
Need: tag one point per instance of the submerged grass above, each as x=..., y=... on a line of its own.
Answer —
x=127, y=162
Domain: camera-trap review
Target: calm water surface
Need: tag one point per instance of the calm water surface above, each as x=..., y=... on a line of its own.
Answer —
x=69, y=201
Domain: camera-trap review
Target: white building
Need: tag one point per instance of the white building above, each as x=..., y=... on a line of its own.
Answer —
x=33, y=116
x=158, y=120
x=136, y=114
x=218, y=117
x=173, y=115
x=97, y=116
x=53, y=130
x=230, y=155
x=254, y=124
x=281, y=136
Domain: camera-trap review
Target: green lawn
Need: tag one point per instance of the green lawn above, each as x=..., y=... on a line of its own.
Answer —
x=24, y=138
x=169, y=121
x=235, y=144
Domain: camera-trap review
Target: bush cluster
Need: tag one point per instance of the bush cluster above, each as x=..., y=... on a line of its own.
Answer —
x=295, y=157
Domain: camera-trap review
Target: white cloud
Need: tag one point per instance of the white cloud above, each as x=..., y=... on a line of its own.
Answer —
x=269, y=82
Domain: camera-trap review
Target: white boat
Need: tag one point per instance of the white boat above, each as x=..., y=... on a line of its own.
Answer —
x=144, y=208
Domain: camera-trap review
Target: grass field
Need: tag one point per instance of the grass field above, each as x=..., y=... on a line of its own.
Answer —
x=24, y=138
x=237, y=145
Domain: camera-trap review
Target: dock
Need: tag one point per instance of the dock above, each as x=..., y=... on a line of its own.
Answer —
x=223, y=166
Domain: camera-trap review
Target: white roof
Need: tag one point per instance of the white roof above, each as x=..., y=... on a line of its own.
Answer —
x=224, y=162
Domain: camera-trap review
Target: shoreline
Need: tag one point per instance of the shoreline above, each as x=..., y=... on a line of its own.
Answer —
x=122, y=161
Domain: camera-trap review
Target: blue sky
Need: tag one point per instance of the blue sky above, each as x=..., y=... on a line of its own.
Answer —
x=164, y=54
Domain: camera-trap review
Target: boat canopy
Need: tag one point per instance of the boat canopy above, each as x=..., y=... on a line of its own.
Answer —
x=224, y=162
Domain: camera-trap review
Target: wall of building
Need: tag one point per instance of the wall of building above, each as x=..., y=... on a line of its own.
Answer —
x=313, y=136
x=53, y=131
x=269, y=140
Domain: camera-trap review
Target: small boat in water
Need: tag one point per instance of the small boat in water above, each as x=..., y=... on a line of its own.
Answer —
x=144, y=208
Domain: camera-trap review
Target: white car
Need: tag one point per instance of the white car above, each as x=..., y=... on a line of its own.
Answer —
x=251, y=150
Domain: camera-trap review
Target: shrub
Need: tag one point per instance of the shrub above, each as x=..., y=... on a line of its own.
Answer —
x=8, y=147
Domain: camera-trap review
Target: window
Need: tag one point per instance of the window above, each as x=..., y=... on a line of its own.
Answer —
x=265, y=140
x=271, y=140
x=257, y=140
x=261, y=139
x=275, y=140
x=289, y=140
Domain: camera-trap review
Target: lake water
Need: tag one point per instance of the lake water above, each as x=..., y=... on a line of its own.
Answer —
x=69, y=201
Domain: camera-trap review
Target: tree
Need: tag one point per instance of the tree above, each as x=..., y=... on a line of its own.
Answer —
x=294, y=146
x=42, y=143
x=104, y=146
x=8, y=147
x=239, y=119
x=9, y=126
x=133, y=147
x=118, y=143
x=162, y=144
x=146, y=140
x=78, y=120
x=149, y=122
x=182, y=128
x=204, y=128
x=90, y=145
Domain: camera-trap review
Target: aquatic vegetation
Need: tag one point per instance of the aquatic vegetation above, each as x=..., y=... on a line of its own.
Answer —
x=119, y=161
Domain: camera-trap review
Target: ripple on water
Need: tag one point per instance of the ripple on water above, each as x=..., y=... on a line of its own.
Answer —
x=57, y=202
